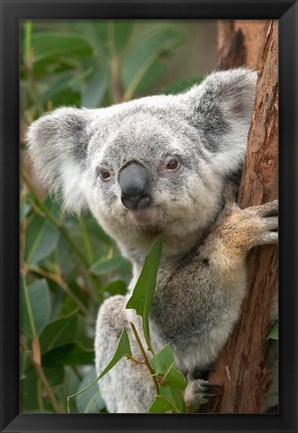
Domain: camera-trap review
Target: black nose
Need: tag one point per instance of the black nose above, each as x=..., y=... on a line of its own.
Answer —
x=134, y=184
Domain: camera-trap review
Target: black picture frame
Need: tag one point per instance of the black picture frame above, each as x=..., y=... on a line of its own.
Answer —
x=14, y=10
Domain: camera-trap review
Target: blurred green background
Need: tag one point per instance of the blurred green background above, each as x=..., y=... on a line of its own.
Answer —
x=68, y=264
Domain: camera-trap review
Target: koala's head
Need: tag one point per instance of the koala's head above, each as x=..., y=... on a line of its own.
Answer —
x=155, y=164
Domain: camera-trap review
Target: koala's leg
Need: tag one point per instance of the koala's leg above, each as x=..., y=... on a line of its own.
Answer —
x=128, y=387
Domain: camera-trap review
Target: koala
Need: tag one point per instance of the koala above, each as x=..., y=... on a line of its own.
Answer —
x=162, y=164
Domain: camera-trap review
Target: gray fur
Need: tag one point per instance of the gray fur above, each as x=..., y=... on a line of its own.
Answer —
x=202, y=277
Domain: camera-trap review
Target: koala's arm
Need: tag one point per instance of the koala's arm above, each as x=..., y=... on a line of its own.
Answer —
x=208, y=287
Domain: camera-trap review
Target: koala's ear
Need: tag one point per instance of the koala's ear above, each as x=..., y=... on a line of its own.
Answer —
x=58, y=144
x=221, y=110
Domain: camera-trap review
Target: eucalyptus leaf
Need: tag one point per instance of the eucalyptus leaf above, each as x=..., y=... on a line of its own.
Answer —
x=142, y=296
x=50, y=44
x=58, y=333
x=89, y=401
x=40, y=300
x=54, y=374
x=162, y=405
x=69, y=354
x=122, y=30
x=145, y=53
x=108, y=265
x=96, y=88
x=118, y=287
x=175, y=396
x=29, y=392
x=163, y=364
x=41, y=240
x=23, y=364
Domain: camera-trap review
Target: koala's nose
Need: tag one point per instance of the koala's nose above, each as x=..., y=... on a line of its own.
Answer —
x=134, y=184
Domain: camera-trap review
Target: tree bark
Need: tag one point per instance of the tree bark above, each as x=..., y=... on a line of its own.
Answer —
x=241, y=365
x=241, y=42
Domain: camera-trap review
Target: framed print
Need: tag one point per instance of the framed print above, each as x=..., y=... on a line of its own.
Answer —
x=135, y=294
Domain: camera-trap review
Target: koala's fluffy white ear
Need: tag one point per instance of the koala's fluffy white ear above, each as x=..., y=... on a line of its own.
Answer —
x=221, y=110
x=58, y=144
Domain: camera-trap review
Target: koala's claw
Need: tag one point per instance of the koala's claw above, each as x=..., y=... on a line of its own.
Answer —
x=266, y=214
x=267, y=210
x=199, y=391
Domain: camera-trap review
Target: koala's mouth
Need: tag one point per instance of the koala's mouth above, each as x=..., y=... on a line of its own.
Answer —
x=147, y=216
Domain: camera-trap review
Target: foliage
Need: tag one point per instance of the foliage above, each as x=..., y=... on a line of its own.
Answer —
x=69, y=265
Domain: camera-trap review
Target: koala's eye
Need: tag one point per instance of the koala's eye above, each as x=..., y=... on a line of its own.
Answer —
x=172, y=164
x=104, y=174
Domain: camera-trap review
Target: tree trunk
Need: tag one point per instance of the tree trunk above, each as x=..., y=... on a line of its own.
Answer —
x=241, y=42
x=241, y=365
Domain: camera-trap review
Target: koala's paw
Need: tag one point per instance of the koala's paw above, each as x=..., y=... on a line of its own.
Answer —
x=198, y=392
x=265, y=227
x=242, y=229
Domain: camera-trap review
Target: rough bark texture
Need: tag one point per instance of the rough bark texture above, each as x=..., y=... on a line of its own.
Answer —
x=241, y=365
x=241, y=42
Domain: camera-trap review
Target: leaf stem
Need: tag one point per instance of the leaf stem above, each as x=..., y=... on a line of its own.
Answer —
x=137, y=361
x=147, y=362
x=39, y=370
x=28, y=306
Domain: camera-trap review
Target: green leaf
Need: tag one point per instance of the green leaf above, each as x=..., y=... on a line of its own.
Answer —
x=40, y=300
x=162, y=405
x=273, y=334
x=163, y=364
x=141, y=58
x=108, y=265
x=175, y=396
x=123, y=349
x=51, y=44
x=24, y=357
x=95, y=90
x=69, y=354
x=56, y=86
x=58, y=333
x=151, y=76
x=142, y=296
x=163, y=360
x=29, y=393
x=66, y=97
x=118, y=287
x=89, y=401
x=41, y=240
x=122, y=33
x=54, y=374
